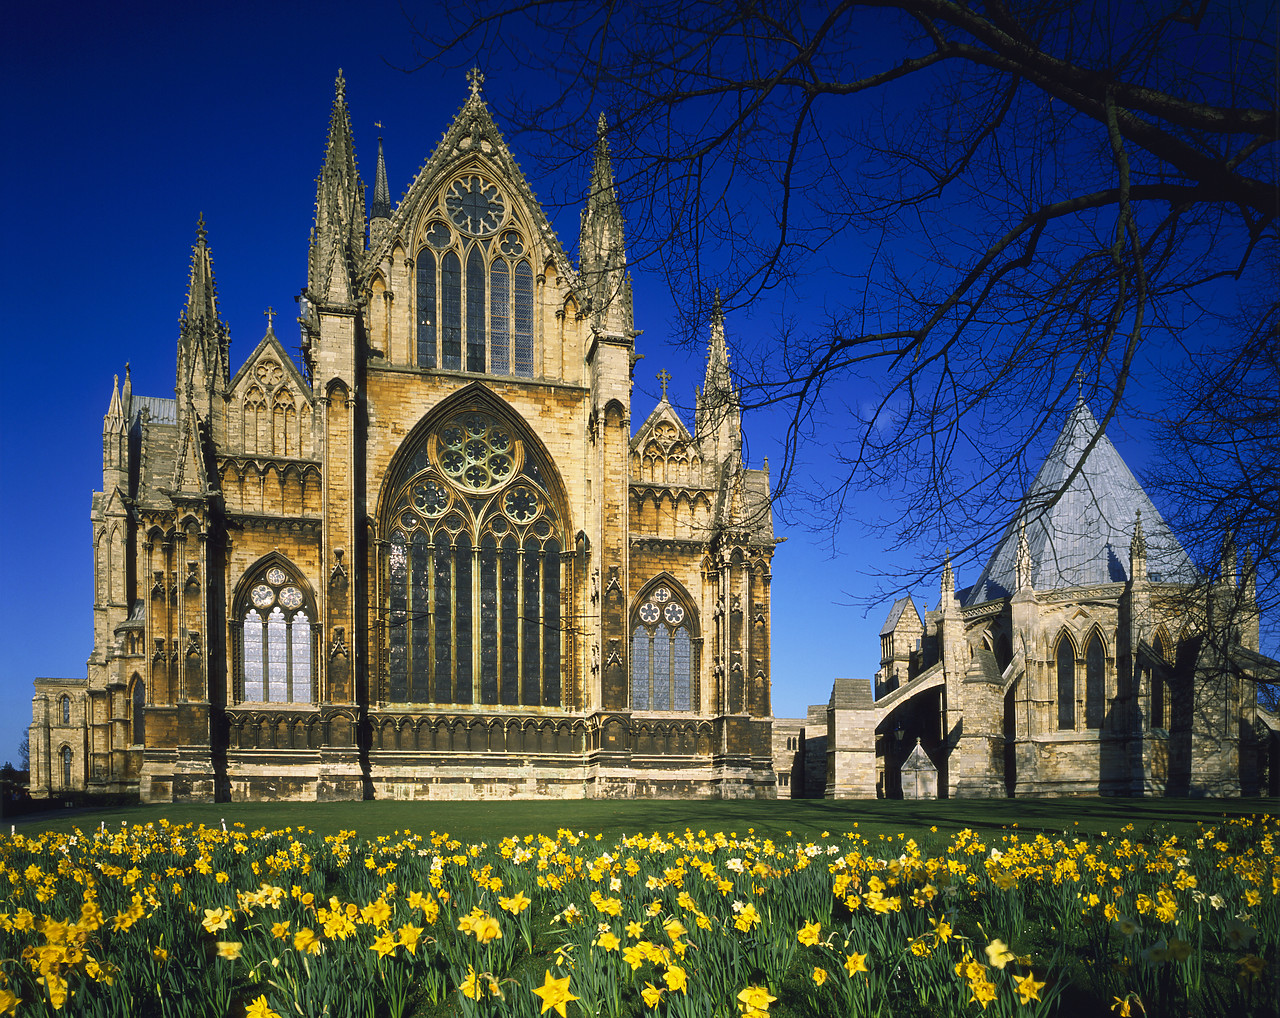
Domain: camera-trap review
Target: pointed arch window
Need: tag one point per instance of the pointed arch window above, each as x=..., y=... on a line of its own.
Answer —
x=1095, y=683
x=137, y=712
x=478, y=285
x=1160, y=688
x=662, y=666
x=66, y=710
x=474, y=572
x=66, y=766
x=1066, y=684
x=275, y=655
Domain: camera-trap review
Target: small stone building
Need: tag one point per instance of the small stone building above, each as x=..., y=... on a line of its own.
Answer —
x=435, y=556
x=1089, y=658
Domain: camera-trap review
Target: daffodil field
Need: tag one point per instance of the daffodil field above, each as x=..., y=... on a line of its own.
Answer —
x=189, y=920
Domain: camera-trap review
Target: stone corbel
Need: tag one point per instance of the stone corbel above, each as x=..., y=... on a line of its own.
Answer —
x=193, y=576
x=338, y=577
x=614, y=660
x=157, y=587
x=339, y=645
x=613, y=588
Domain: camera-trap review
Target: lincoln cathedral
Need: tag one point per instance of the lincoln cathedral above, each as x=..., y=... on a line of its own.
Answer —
x=438, y=556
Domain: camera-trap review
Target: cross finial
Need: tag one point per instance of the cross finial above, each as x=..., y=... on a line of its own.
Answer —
x=663, y=377
x=1079, y=385
x=270, y=313
x=475, y=79
x=378, y=124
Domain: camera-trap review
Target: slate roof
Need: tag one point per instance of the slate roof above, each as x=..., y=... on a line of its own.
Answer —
x=163, y=411
x=1084, y=537
x=895, y=613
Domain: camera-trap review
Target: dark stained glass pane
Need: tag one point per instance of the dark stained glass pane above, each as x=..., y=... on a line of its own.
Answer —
x=1095, y=685
x=532, y=624
x=551, y=686
x=524, y=321
x=462, y=632
x=397, y=618
x=425, y=267
x=444, y=648
x=682, y=658
x=1066, y=685
x=500, y=317
x=662, y=668
x=139, y=716
x=488, y=621
x=510, y=587
x=475, y=310
x=640, y=669
x=451, y=298
x=420, y=619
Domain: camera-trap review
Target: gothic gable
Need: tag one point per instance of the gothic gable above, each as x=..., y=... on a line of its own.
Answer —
x=271, y=407
x=471, y=147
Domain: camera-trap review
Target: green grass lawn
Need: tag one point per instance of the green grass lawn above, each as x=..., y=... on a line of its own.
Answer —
x=480, y=820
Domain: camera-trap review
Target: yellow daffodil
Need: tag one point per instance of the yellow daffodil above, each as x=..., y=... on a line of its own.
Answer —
x=554, y=993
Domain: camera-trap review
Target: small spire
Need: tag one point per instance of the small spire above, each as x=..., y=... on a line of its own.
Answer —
x=381, y=207
x=1139, y=545
x=126, y=395
x=1228, y=565
x=1022, y=565
x=340, y=85
x=948, y=580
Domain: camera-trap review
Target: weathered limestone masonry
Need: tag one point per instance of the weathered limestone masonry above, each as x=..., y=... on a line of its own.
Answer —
x=431, y=559
x=1064, y=670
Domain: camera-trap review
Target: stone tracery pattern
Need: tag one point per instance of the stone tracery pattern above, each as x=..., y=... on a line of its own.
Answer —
x=474, y=573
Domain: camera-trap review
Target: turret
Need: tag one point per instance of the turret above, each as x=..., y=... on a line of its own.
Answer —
x=204, y=343
x=1138, y=551
x=115, y=440
x=602, y=251
x=718, y=414
x=380, y=209
x=337, y=235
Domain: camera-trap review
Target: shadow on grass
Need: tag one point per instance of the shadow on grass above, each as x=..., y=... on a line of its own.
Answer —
x=483, y=820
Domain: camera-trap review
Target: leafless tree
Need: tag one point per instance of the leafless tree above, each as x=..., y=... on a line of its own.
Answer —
x=1001, y=203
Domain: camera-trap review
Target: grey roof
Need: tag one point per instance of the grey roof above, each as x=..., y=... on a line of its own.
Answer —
x=163, y=411
x=1084, y=537
x=895, y=613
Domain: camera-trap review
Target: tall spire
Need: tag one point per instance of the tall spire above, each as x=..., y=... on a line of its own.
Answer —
x=203, y=339
x=337, y=236
x=381, y=207
x=602, y=251
x=1022, y=564
x=718, y=415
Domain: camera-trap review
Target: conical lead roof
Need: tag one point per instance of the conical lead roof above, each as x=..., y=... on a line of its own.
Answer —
x=1084, y=537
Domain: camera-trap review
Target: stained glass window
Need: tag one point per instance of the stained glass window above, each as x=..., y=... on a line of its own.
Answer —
x=275, y=659
x=523, y=319
x=451, y=307
x=475, y=310
x=425, y=268
x=482, y=579
x=1066, y=685
x=253, y=661
x=500, y=315
x=1095, y=684
x=139, y=700
x=662, y=664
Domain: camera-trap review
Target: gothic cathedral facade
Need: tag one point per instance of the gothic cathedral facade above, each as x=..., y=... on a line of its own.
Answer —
x=434, y=559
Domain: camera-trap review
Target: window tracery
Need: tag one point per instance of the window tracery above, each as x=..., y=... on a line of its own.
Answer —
x=474, y=572
x=474, y=285
x=276, y=659
x=1066, y=659
x=662, y=666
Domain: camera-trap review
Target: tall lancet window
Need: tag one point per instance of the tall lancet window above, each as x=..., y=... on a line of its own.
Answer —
x=275, y=655
x=1066, y=684
x=662, y=666
x=475, y=284
x=474, y=571
x=1095, y=683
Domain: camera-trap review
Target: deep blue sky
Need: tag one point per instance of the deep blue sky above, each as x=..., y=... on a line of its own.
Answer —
x=123, y=123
